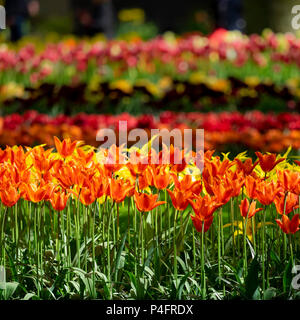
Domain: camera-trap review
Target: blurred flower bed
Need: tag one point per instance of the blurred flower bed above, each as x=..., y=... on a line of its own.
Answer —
x=223, y=131
x=225, y=70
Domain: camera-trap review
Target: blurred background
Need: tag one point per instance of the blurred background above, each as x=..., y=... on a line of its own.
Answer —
x=143, y=18
x=232, y=67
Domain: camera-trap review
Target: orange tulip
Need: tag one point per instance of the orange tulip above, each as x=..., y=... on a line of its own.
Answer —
x=114, y=159
x=146, y=202
x=41, y=160
x=205, y=206
x=236, y=180
x=289, y=180
x=100, y=186
x=266, y=192
x=208, y=181
x=137, y=163
x=9, y=196
x=247, y=167
x=174, y=157
x=119, y=189
x=251, y=210
x=179, y=199
x=198, y=223
x=59, y=200
x=218, y=167
x=3, y=155
x=36, y=193
x=145, y=179
x=268, y=161
x=187, y=184
x=85, y=157
x=67, y=175
x=290, y=201
x=289, y=226
x=87, y=196
x=250, y=185
x=18, y=158
x=161, y=178
x=223, y=191
x=65, y=148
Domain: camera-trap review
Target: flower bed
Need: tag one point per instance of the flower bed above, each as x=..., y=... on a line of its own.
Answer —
x=76, y=225
x=254, y=130
x=224, y=70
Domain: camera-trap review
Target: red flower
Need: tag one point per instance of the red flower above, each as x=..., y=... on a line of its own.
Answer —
x=246, y=210
x=289, y=226
x=268, y=161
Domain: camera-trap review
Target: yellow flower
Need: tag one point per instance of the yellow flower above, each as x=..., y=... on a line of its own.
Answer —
x=132, y=15
x=11, y=90
x=122, y=85
x=219, y=85
x=197, y=77
x=252, y=81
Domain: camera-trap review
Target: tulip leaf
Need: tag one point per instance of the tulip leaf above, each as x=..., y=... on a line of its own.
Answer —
x=252, y=279
x=118, y=258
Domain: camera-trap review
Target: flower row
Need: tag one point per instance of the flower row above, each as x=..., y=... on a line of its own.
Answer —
x=254, y=130
x=77, y=172
x=163, y=55
x=196, y=93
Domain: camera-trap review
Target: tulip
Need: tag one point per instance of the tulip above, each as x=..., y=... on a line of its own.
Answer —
x=59, y=200
x=146, y=202
x=268, y=161
x=9, y=196
x=286, y=203
x=248, y=211
x=65, y=148
x=119, y=190
x=289, y=226
x=179, y=199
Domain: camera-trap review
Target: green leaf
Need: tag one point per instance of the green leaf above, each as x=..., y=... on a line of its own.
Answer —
x=252, y=279
x=29, y=296
x=181, y=286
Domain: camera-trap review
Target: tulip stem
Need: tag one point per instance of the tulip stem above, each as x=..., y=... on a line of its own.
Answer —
x=93, y=254
x=128, y=221
x=291, y=249
x=253, y=233
x=118, y=222
x=3, y=236
x=232, y=227
x=219, y=247
x=142, y=240
x=203, y=264
x=263, y=250
x=194, y=252
x=108, y=250
x=284, y=235
x=245, y=240
x=175, y=248
x=17, y=235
